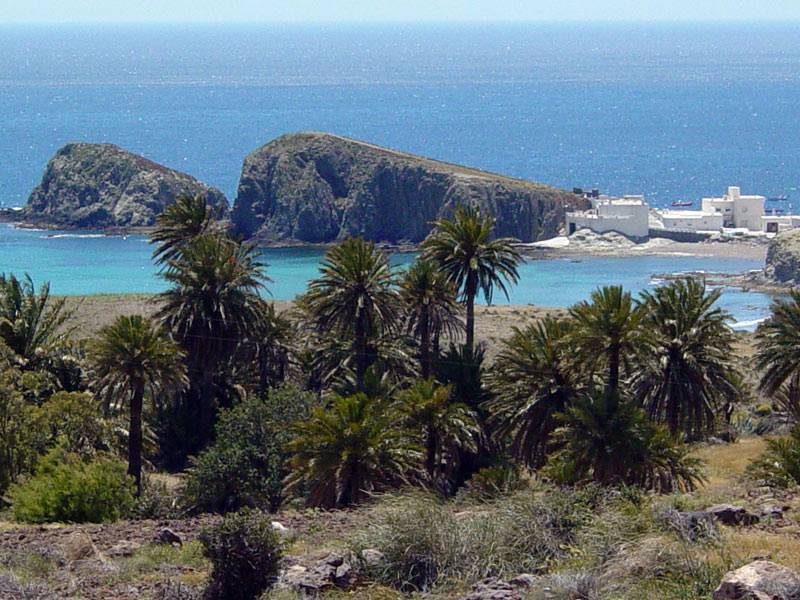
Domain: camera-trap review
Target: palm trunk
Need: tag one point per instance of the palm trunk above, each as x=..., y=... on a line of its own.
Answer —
x=425, y=343
x=361, y=352
x=613, y=368
x=470, y=344
x=135, y=438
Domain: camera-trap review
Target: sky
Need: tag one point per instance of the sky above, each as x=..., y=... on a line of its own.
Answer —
x=232, y=11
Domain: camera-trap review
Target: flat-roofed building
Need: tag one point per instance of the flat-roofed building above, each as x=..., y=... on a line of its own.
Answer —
x=691, y=220
x=737, y=210
x=629, y=215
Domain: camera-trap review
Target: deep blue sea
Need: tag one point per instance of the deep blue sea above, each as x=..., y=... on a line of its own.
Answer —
x=670, y=111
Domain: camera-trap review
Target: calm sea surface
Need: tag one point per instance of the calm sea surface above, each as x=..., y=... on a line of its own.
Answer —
x=673, y=112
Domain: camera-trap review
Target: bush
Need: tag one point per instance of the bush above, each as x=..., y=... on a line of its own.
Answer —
x=779, y=466
x=426, y=543
x=19, y=437
x=67, y=488
x=245, y=553
x=244, y=467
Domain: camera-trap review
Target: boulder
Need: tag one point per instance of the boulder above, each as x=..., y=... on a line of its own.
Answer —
x=728, y=514
x=79, y=546
x=334, y=570
x=759, y=580
x=318, y=188
x=783, y=258
x=494, y=588
x=102, y=186
x=123, y=548
x=165, y=535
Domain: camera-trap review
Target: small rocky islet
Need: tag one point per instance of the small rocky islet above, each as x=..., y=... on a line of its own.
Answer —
x=299, y=188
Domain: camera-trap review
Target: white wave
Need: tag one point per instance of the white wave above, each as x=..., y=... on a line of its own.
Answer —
x=748, y=325
x=72, y=235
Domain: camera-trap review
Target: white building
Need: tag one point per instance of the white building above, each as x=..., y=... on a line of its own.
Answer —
x=778, y=223
x=738, y=211
x=628, y=215
x=691, y=220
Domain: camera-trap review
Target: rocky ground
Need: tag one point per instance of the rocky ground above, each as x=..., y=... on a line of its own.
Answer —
x=150, y=560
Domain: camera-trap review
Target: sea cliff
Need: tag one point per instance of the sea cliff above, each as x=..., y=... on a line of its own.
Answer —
x=102, y=186
x=318, y=188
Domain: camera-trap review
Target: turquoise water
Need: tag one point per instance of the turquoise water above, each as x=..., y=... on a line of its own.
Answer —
x=77, y=263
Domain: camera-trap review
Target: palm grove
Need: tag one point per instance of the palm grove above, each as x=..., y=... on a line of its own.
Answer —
x=365, y=384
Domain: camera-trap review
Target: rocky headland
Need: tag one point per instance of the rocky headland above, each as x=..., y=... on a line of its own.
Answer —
x=102, y=186
x=318, y=188
x=783, y=259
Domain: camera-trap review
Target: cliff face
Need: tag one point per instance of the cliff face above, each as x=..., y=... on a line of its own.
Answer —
x=783, y=258
x=313, y=187
x=103, y=186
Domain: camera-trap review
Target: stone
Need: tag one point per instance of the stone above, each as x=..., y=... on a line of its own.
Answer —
x=280, y=528
x=102, y=186
x=334, y=570
x=372, y=557
x=728, y=514
x=759, y=580
x=493, y=589
x=523, y=580
x=123, y=548
x=772, y=511
x=165, y=535
x=783, y=258
x=319, y=188
x=79, y=546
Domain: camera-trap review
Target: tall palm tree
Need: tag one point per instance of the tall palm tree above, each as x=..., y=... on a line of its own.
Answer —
x=342, y=454
x=608, y=333
x=533, y=379
x=607, y=439
x=685, y=374
x=448, y=428
x=463, y=248
x=212, y=308
x=431, y=309
x=32, y=323
x=778, y=343
x=180, y=223
x=130, y=356
x=355, y=297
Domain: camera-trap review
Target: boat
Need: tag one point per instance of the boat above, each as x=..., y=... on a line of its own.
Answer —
x=682, y=203
x=780, y=198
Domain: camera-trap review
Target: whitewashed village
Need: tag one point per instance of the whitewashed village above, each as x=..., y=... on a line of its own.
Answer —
x=732, y=214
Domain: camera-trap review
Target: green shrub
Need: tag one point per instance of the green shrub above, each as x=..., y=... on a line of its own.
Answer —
x=19, y=436
x=74, y=420
x=426, y=543
x=245, y=553
x=67, y=488
x=492, y=482
x=245, y=466
x=780, y=464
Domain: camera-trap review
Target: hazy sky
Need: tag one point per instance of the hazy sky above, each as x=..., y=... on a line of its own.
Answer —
x=392, y=10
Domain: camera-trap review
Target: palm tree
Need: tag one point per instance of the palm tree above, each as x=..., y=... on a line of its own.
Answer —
x=355, y=298
x=31, y=323
x=448, y=428
x=463, y=248
x=778, y=344
x=431, y=309
x=180, y=223
x=533, y=379
x=607, y=332
x=212, y=309
x=129, y=357
x=685, y=374
x=609, y=440
x=342, y=454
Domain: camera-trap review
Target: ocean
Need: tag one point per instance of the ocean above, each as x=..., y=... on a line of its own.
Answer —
x=670, y=111
x=91, y=263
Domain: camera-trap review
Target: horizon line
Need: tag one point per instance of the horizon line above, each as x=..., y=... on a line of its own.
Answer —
x=465, y=21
